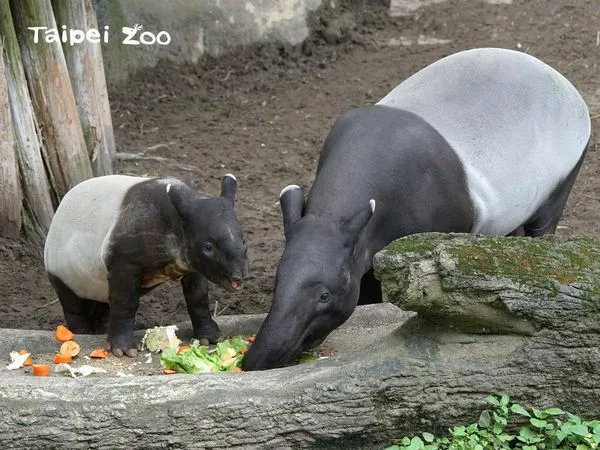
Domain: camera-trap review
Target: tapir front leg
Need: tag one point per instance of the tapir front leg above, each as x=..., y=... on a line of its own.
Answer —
x=124, y=283
x=195, y=291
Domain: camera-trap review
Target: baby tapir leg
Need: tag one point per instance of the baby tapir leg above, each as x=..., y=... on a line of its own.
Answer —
x=195, y=291
x=124, y=287
x=83, y=316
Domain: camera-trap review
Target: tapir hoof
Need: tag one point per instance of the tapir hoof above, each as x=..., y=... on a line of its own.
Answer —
x=208, y=333
x=120, y=350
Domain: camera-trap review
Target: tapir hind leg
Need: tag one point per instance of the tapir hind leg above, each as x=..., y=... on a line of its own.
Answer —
x=546, y=219
x=195, y=291
x=83, y=316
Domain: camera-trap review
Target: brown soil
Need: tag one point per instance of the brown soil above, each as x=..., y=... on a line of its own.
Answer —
x=264, y=114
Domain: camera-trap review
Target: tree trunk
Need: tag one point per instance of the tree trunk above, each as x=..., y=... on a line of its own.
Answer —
x=52, y=96
x=86, y=70
x=390, y=377
x=37, y=205
x=10, y=188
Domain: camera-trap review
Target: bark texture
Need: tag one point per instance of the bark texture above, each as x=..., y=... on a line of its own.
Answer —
x=86, y=71
x=52, y=96
x=10, y=188
x=495, y=315
x=37, y=209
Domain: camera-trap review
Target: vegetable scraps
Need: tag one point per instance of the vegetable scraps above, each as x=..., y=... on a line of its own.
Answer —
x=226, y=356
x=63, y=334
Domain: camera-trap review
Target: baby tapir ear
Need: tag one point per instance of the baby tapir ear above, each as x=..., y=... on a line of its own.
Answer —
x=229, y=187
x=353, y=226
x=291, y=199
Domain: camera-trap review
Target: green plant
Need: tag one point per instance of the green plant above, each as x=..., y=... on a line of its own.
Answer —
x=550, y=428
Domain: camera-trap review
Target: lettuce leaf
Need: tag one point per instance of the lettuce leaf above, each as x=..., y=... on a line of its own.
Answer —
x=224, y=357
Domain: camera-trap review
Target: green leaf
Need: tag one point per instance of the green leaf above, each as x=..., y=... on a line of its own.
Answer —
x=527, y=433
x=492, y=400
x=472, y=428
x=497, y=428
x=405, y=441
x=538, y=413
x=579, y=430
x=393, y=447
x=485, y=419
x=561, y=435
x=458, y=431
x=554, y=411
x=415, y=444
x=538, y=423
x=428, y=437
x=504, y=400
x=518, y=409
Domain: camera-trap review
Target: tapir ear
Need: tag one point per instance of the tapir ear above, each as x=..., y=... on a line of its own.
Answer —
x=291, y=199
x=353, y=226
x=229, y=187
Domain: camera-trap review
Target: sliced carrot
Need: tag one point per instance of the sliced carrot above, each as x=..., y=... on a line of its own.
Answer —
x=169, y=371
x=63, y=334
x=243, y=351
x=59, y=358
x=182, y=348
x=251, y=338
x=28, y=361
x=99, y=353
x=70, y=348
x=237, y=369
x=40, y=370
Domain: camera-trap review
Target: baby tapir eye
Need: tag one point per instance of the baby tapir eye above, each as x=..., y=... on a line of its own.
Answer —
x=325, y=296
x=208, y=248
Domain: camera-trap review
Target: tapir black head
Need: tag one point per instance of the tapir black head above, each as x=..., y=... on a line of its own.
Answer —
x=215, y=244
x=317, y=284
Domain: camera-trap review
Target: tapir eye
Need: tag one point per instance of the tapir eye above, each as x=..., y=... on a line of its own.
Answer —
x=208, y=247
x=325, y=296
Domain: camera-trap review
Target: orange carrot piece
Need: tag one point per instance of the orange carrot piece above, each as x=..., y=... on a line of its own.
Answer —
x=63, y=334
x=40, y=370
x=99, y=353
x=28, y=361
x=237, y=369
x=59, y=358
x=70, y=348
x=169, y=371
x=182, y=348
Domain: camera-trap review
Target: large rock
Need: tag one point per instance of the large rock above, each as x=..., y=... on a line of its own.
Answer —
x=496, y=315
x=197, y=28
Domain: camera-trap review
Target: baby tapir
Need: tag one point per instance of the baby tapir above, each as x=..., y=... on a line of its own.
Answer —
x=484, y=141
x=114, y=238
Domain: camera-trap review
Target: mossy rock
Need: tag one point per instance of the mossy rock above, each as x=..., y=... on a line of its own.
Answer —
x=491, y=283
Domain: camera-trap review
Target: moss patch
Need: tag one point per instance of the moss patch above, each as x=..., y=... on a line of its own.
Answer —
x=541, y=262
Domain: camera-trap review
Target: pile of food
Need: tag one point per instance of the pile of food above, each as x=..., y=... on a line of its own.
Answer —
x=226, y=356
x=175, y=357
x=68, y=350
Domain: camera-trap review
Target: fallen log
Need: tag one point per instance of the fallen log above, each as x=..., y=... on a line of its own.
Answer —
x=10, y=187
x=391, y=376
x=37, y=208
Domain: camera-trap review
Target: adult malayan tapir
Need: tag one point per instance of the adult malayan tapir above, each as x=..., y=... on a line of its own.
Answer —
x=484, y=141
x=114, y=238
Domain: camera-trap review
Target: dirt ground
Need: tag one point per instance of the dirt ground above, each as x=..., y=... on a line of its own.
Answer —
x=263, y=115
